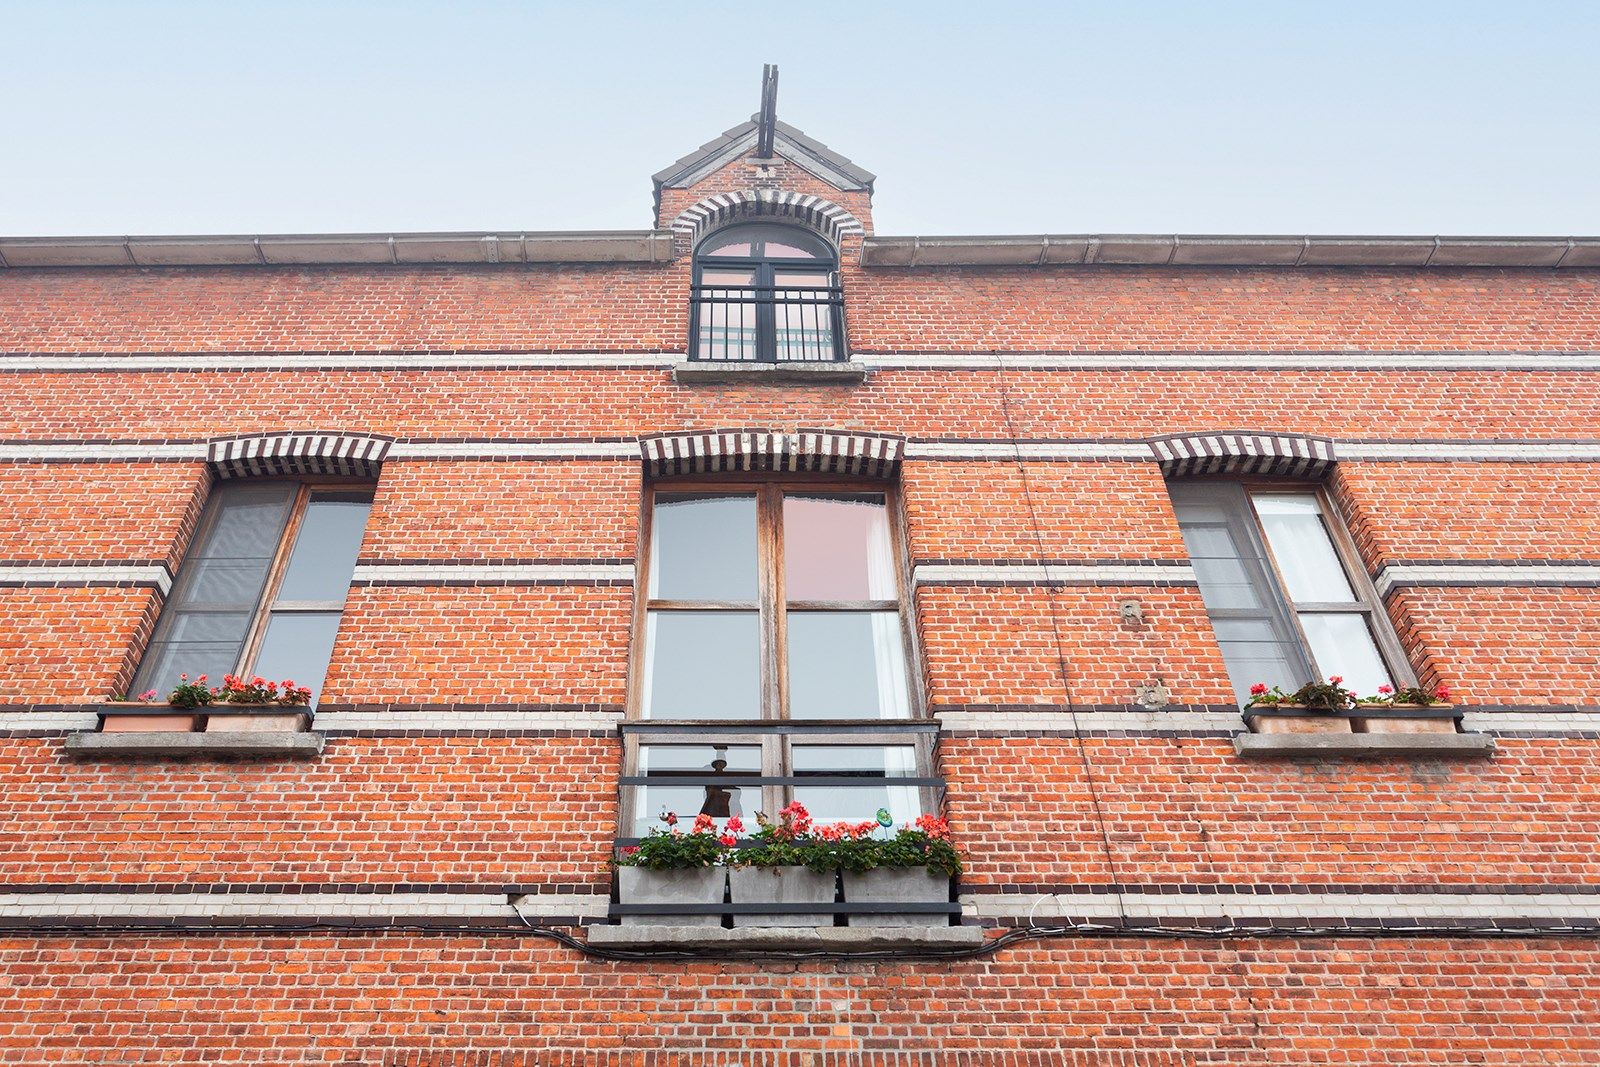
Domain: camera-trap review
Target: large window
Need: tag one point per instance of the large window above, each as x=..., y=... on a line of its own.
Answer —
x=774, y=663
x=1286, y=594
x=263, y=587
x=766, y=292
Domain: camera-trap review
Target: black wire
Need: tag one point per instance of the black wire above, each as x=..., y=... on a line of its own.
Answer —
x=1065, y=673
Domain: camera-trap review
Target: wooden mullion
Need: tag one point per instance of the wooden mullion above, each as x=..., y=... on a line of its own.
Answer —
x=843, y=605
x=703, y=605
x=269, y=593
x=774, y=625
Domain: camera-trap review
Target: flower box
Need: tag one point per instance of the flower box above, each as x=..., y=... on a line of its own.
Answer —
x=781, y=885
x=1422, y=719
x=260, y=718
x=897, y=885
x=1304, y=721
x=688, y=885
x=112, y=723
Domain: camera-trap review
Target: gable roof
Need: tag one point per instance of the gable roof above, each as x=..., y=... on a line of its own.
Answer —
x=812, y=156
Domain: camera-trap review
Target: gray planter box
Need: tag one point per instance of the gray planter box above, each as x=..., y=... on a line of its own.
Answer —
x=781, y=885
x=896, y=885
x=696, y=885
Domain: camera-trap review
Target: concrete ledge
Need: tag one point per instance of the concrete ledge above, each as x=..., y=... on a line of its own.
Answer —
x=836, y=938
x=1258, y=746
x=219, y=743
x=819, y=373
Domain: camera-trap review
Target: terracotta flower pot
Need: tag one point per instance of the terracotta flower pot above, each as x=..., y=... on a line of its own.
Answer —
x=1421, y=724
x=1318, y=722
x=181, y=720
x=781, y=885
x=897, y=885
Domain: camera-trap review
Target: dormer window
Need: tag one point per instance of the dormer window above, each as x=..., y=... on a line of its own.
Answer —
x=766, y=293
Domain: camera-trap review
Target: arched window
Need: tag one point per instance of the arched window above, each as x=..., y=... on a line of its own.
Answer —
x=766, y=292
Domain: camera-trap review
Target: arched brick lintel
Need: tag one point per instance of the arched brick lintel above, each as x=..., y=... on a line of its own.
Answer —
x=1294, y=455
x=297, y=454
x=821, y=451
x=823, y=216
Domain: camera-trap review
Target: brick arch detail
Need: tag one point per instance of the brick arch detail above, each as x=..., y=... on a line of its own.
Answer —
x=277, y=455
x=823, y=451
x=1295, y=455
x=823, y=216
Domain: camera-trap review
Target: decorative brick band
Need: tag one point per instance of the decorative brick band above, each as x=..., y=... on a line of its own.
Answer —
x=1555, y=574
x=1132, y=572
x=820, y=451
x=823, y=216
x=1245, y=905
x=1243, y=453
x=86, y=574
x=298, y=454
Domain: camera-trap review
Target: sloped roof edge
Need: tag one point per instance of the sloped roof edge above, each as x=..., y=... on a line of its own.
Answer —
x=791, y=143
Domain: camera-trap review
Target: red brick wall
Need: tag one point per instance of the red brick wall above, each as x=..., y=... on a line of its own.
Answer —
x=475, y=1002
x=474, y=809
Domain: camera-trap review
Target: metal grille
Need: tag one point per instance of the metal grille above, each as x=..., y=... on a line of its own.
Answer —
x=766, y=324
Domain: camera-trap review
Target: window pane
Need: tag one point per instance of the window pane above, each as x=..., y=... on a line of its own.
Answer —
x=832, y=803
x=702, y=665
x=802, y=315
x=1342, y=644
x=1254, y=652
x=227, y=568
x=1300, y=544
x=846, y=665
x=325, y=547
x=837, y=548
x=703, y=547
x=687, y=801
x=297, y=647
x=727, y=313
x=1219, y=565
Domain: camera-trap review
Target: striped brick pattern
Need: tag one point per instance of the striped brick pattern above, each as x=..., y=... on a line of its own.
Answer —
x=862, y=455
x=297, y=454
x=1243, y=453
x=824, y=216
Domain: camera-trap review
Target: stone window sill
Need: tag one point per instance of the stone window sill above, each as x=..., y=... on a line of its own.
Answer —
x=819, y=373
x=1260, y=746
x=260, y=743
x=760, y=939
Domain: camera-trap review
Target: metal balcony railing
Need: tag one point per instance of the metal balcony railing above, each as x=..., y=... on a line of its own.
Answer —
x=766, y=324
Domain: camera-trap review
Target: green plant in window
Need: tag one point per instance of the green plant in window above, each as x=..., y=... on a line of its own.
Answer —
x=1324, y=696
x=673, y=850
x=195, y=694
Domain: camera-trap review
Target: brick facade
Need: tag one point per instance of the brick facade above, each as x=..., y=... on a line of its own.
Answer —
x=1188, y=906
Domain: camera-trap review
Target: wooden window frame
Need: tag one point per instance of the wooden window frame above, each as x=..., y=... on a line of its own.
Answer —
x=267, y=603
x=773, y=731
x=1366, y=602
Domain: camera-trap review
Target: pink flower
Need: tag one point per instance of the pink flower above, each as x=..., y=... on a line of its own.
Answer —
x=734, y=825
x=1385, y=689
x=728, y=840
x=148, y=694
x=1336, y=679
x=703, y=823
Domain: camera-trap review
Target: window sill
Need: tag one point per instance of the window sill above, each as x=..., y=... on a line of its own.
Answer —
x=752, y=373
x=1266, y=746
x=761, y=939
x=280, y=744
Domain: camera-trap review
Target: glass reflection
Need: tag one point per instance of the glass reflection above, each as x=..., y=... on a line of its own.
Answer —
x=703, y=547
x=837, y=547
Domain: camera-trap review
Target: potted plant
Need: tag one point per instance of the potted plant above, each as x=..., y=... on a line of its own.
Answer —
x=1413, y=699
x=785, y=864
x=1315, y=708
x=187, y=695
x=913, y=866
x=673, y=867
x=265, y=699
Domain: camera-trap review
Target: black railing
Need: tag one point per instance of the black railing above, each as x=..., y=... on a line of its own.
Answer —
x=766, y=324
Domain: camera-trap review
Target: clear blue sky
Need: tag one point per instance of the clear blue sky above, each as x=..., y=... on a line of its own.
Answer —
x=1343, y=116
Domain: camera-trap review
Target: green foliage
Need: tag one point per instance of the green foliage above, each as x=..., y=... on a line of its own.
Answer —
x=195, y=694
x=1324, y=696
